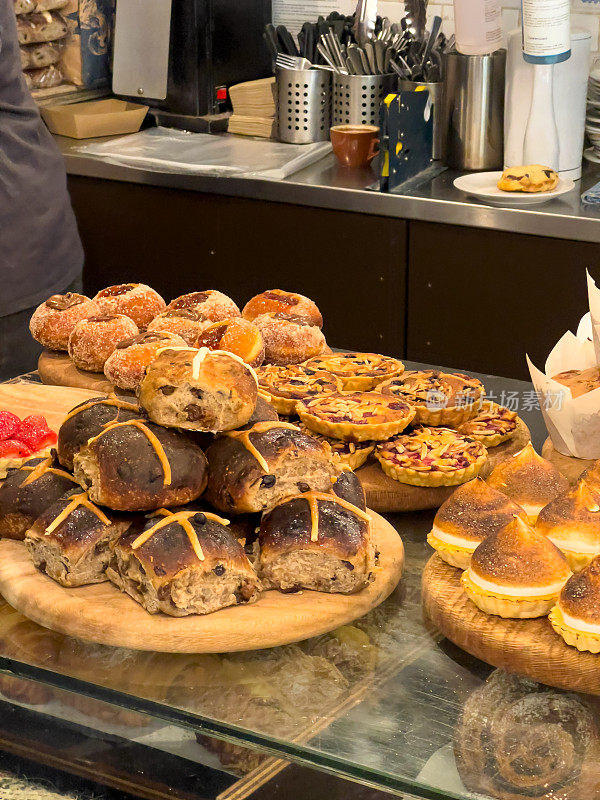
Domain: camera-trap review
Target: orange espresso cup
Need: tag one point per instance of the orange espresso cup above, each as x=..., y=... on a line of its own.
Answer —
x=355, y=145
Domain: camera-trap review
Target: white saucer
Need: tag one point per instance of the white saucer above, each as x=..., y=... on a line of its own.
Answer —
x=483, y=186
x=591, y=155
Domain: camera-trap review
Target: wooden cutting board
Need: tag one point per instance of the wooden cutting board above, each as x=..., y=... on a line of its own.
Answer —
x=570, y=467
x=54, y=402
x=101, y=613
x=57, y=369
x=526, y=647
x=386, y=495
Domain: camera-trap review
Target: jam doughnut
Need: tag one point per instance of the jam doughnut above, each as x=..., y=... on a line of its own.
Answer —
x=237, y=336
x=135, y=300
x=53, y=321
x=213, y=304
x=289, y=339
x=126, y=366
x=185, y=322
x=93, y=339
x=286, y=303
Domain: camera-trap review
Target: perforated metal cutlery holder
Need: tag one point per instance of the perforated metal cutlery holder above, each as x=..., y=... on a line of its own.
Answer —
x=303, y=105
x=357, y=98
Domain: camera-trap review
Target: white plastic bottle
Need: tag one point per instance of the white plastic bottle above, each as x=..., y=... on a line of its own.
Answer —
x=478, y=26
x=546, y=31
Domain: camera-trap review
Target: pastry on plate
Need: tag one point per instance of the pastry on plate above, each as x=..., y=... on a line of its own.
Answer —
x=212, y=304
x=87, y=420
x=53, y=321
x=529, y=178
x=28, y=491
x=579, y=381
x=185, y=322
x=351, y=454
x=316, y=541
x=138, y=466
x=492, y=426
x=275, y=300
x=576, y=615
x=183, y=563
x=356, y=416
x=431, y=457
x=285, y=386
x=439, y=398
x=236, y=335
x=199, y=390
x=572, y=522
x=471, y=513
x=254, y=469
x=358, y=371
x=136, y=300
x=126, y=366
x=289, y=339
x=93, y=339
x=70, y=541
x=529, y=480
x=516, y=573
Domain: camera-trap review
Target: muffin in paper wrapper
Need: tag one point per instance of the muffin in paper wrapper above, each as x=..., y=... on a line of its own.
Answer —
x=573, y=423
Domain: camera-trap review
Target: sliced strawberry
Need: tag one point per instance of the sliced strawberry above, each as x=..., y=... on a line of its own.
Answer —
x=12, y=448
x=9, y=423
x=35, y=433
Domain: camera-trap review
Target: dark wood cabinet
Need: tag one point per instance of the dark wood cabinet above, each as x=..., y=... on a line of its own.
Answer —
x=480, y=300
x=352, y=265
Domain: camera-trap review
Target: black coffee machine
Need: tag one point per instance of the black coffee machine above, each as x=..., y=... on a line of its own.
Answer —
x=179, y=56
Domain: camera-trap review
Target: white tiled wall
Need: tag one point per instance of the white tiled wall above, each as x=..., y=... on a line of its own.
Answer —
x=585, y=14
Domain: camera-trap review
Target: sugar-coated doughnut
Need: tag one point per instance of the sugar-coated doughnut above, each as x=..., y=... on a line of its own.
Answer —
x=53, y=321
x=135, y=300
x=237, y=336
x=285, y=302
x=289, y=339
x=186, y=322
x=126, y=365
x=95, y=338
x=213, y=304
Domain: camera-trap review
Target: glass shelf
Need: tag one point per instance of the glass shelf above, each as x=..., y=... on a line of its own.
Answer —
x=385, y=701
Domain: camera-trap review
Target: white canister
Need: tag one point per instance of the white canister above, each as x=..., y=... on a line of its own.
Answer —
x=570, y=92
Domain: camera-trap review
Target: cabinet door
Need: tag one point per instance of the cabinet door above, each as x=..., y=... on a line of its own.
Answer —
x=480, y=300
x=352, y=265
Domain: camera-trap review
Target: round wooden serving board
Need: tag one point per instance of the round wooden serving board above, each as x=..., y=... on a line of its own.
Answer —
x=57, y=369
x=526, y=647
x=101, y=613
x=384, y=494
x=570, y=466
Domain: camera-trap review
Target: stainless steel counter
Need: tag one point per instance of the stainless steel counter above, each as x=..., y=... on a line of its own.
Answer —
x=326, y=185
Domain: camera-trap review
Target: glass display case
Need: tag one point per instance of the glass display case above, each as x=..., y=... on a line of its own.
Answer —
x=385, y=703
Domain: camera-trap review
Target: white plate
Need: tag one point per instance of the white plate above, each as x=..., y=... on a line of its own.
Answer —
x=483, y=186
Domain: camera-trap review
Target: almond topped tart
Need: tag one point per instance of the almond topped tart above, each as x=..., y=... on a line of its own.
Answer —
x=358, y=371
x=355, y=416
x=284, y=386
x=492, y=426
x=431, y=457
x=351, y=454
x=439, y=398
